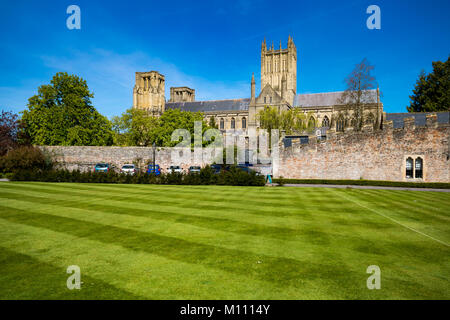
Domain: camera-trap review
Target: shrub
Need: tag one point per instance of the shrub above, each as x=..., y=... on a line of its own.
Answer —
x=26, y=158
x=205, y=177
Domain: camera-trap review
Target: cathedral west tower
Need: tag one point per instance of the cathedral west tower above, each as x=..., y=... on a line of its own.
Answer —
x=148, y=92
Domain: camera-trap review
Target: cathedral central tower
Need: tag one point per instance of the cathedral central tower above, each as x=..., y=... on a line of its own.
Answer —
x=279, y=64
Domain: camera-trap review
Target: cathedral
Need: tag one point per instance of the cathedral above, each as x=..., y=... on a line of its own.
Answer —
x=278, y=89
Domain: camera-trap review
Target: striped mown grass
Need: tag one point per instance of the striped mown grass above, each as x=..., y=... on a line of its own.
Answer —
x=213, y=242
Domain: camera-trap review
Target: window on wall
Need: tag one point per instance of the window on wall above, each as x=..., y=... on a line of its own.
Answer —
x=340, y=124
x=370, y=119
x=233, y=123
x=419, y=168
x=270, y=99
x=265, y=100
x=244, y=123
x=222, y=124
x=409, y=168
x=326, y=122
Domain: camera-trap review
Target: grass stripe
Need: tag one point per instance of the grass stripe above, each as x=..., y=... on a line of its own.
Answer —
x=304, y=232
x=243, y=216
x=395, y=221
x=283, y=271
x=217, y=250
x=308, y=241
x=426, y=221
x=133, y=209
x=137, y=272
x=303, y=212
x=32, y=276
x=277, y=208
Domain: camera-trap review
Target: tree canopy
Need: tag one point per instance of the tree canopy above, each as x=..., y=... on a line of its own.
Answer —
x=291, y=121
x=62, y=114
x=136, y=127
x=432, y=91
x=9, y=127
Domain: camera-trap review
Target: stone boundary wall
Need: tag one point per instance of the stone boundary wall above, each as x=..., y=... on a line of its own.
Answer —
x=369, y=154
x=372, y=155
x=85, y=157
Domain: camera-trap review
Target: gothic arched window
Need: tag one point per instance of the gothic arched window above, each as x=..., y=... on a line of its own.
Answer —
x=340, y=124
x=233, y=123
x=326, y=122
x=311, y=123
x=370, y=118
x=244, y=123
x=222, y=124
x=419, y=168
x=409, y=167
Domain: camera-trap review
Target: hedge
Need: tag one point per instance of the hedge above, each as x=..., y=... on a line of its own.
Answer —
x=233, y=177
x=432, y=185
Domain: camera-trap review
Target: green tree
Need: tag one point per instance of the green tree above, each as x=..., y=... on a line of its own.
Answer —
x=292, y=121
x=62, y=114
x=136, y=127
x=270, y=118
x=432, y=91
x=212, y=123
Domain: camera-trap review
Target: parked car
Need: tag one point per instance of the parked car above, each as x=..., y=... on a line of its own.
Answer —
x=102, y=167
x=128, y=169
x=194, y=169
x=176, y=169
x=156, y=170
x=247, y=169
x=217, y=168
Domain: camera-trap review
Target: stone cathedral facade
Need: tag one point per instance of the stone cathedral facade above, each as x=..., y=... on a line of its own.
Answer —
x=278, y=89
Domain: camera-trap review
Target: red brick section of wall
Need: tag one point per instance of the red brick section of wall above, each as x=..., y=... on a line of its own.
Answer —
x=372, y=155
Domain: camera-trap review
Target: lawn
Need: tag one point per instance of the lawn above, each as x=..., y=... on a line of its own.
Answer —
x=215, y=242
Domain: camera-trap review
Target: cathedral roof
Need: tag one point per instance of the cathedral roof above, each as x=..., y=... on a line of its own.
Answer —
x=212, y=105
x=326, y=99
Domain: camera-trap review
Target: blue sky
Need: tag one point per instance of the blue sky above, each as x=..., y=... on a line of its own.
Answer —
x=214, y=46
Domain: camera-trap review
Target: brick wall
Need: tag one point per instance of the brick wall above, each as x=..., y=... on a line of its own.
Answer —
x=372, y=155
